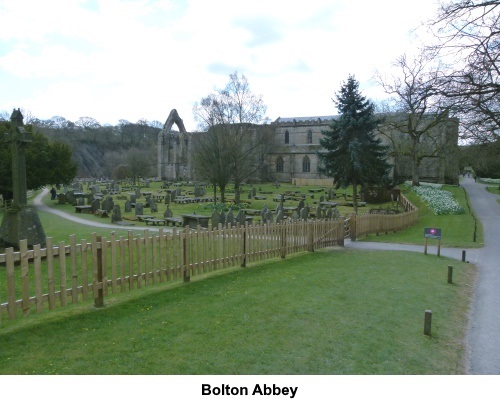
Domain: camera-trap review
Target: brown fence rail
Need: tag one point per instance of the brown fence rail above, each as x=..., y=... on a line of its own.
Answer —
x=33, y=280
x=361, y=225
x=37, y=279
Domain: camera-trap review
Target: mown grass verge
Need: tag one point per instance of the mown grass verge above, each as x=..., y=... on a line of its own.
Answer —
x=333, y=311
x=457, y=229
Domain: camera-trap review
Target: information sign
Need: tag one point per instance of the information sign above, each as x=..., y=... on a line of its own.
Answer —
x=432, y=233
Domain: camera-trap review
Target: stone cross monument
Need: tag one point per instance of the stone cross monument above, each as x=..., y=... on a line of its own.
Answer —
x=20, y=221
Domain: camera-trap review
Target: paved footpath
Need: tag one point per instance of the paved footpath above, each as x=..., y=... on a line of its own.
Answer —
x=483, y=335
x=37, y=202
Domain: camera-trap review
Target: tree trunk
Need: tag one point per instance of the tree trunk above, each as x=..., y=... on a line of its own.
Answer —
x=215, y=193
x=222, y=194
x=237, y=195
x=355, y=196
x=415, y=163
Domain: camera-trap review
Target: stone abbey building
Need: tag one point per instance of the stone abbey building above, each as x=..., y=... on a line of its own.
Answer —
x=293, y=146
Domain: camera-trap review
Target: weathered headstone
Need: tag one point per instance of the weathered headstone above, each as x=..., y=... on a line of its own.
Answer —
x=128, y=206
x=279, y=216
x=241, y=217
x=153, y=205
x=319, y=212
x=96, y=205
x=139, y=209
x=301, y=205
x=137, y=193
x=263, y=212
x=108, y=204
x=269, y=217
x=168, y=213
x=61, y=198
x=230, y=217
x=116, y=216
x=215, y=219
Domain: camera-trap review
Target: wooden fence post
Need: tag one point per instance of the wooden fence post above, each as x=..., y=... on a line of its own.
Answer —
x=244, y=253
x=427, y=322
x=352, y=227
x=450, y=274
x=283, y=239
x=99, y=299
x=310, y=235
x=185, y=267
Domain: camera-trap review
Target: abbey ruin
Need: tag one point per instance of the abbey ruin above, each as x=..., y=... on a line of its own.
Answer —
x=294, y=143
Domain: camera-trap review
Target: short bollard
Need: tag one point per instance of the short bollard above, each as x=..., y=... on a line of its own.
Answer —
x=427, y=322
x=463, y=255
x=450, y=274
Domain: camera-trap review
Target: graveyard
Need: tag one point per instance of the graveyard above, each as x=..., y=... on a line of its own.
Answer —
x=160, y=203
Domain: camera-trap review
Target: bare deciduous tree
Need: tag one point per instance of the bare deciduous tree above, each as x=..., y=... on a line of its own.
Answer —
x=416, y=109
x=468, y=38
x=236, y=146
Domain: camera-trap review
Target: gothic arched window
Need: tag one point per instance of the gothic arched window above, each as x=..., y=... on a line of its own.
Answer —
x=306, y=165
x=287, y=137
x=279, y=164
x=310, y=136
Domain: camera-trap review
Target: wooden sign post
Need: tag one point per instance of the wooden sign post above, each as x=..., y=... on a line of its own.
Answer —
x=432, y=233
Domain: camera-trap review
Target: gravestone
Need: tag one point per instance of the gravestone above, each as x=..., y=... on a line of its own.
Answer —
x=319, y=212
x=153, y=205
x=116, y=216
x=20, y=222
x=96, y=205
x=263, y=212
x=167, y=198
x=279, y=217
x=304, y=213
x=61, y=198
x=230, y=217
x=132, y=198
x=128, y=206
x=137, y=193
x=295, y=216
x=108, y=204
x=241, y=217
x=215, y=219
x=300, y=205
x=279, y=207
x=269, y=217
x=168, y=213
x=139, y=209
x=329, y=213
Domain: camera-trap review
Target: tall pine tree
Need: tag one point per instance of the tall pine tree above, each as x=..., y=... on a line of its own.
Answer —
x=353, y=155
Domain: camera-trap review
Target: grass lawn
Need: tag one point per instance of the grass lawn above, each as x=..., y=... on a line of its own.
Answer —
x=457, y=230
x=333, y=311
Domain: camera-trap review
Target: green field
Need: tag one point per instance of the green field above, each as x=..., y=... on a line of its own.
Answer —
x=333, y=311
x=328, y=312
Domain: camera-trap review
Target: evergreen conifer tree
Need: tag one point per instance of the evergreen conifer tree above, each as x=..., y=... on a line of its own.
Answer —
x=353, y=155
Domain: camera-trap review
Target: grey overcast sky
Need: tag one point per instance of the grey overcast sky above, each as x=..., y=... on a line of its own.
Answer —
x=139, y=59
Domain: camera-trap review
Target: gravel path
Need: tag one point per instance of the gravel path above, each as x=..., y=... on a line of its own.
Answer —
x=37, y=202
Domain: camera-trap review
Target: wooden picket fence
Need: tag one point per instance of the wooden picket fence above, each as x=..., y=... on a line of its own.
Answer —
x=57, y=275
x=362, y=225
